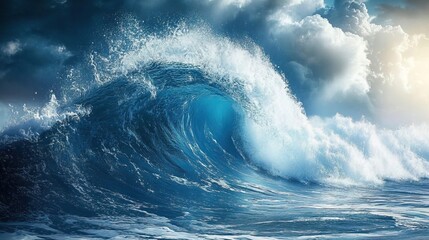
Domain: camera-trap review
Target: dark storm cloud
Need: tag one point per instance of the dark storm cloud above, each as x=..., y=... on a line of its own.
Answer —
x=47, y=35
x=29, y=65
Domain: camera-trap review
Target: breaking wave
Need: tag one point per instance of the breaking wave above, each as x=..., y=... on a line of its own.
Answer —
x=175, y=117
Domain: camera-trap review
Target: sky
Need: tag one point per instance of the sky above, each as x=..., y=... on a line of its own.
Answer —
x=362, y=59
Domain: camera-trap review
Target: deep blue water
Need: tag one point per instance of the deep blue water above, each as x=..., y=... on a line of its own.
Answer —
x=182, y=143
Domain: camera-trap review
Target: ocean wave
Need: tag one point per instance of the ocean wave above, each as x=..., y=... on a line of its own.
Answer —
x=188, y=109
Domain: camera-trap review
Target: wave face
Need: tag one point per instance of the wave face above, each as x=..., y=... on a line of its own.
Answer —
x=184, y=125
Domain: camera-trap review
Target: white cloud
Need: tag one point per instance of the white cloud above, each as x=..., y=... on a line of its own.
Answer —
x=236, y=3
x=296, y=10
x=11, y=48
x=398, y=83
x=398, y=76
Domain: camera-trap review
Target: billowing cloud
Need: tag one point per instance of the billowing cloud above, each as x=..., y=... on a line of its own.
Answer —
x=350, y=16
x=398, y=79
x=334, y=62
x=397, y=61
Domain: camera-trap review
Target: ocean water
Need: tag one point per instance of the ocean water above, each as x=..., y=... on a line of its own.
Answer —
x=190, y=135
